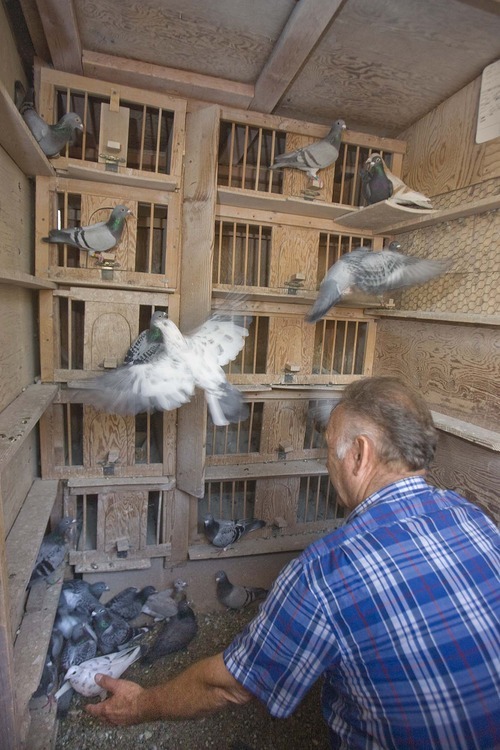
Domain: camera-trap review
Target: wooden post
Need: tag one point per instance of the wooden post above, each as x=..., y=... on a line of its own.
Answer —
x=9, y=724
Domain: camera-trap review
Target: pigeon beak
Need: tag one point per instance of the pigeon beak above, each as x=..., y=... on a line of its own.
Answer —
x=80, y=127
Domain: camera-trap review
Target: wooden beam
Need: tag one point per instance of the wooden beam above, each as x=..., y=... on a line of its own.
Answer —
x=26, y=280
x=61, y=31
x=303, y=30
x=489, y=6
x=467, y=431
x=35, y=28
x=157, y=78
x=475, y=319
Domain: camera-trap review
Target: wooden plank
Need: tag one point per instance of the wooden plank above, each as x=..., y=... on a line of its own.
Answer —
x=462, y=318
x=479, y=206
x=9, y=719
x=61, y=32
x=20, y=417
x=144, y=75
x=23, y=542
x=76, y=485
x=16, y=139
x=268, y=216
x=305, y=27
x=284, y=468
x=240, y=198
x=93, y=562
x=16, y=480
x=26, y=280
x=76, y=170
x=381, y=217
x=467, y=431
x=32, y=643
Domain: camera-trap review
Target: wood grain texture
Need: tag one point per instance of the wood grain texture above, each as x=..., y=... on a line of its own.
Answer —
x=284, y=423
x=442, y=154
x=16, y=480
x=62, y=35
x=122, y=516
x=277, y=498
x=470, y=470
x=105, y=434
x=455, y=368
x=290, y=342
x=293, y=250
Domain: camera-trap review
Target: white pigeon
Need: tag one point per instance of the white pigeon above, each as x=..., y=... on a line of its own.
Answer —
x=373, y=273
x=401, y=193
x=81, y=677
x=170, y=377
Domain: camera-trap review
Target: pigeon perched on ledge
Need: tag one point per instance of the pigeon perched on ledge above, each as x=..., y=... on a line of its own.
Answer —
x=223, y=533
x=234, y=596
x=52, y=139
x=96, y=238
x=52, y=550
x=169, y=378
x=383, y=181
x=316, y=156
x=373, y=273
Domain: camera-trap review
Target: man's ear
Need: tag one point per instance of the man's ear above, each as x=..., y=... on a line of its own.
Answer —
x=361, y=453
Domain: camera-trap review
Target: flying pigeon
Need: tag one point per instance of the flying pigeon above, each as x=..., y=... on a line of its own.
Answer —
x=81, y=646
x=235, y=596
x=400, y=194
x=165, y=603
x=96, y=238
x=148, y=343
x=318, y=155
x=78, y=593
x=128, y=603
x=52, y=550
x=174, y=634
x=222, y=533
x=112, y=631
x=374, y=273
x=51, y=138
x=80, y=677
x=169, y=379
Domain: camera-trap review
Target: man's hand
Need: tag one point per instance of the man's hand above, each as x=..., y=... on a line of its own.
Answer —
x=122, y=706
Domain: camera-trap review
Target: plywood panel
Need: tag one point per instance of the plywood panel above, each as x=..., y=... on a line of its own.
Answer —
x=277, y=498
x=107, y=438
x=294, y=251
x=442, y=154
x=290, y=343
x=122, y=516
x=109, y=331
x=470, y=470
x=283, y=423
x=17, y=479
x=456, y=368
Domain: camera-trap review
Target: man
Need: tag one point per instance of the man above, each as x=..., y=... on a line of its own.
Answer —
x=398, y=609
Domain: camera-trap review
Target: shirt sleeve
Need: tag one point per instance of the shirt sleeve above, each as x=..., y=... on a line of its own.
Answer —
x=290, y=643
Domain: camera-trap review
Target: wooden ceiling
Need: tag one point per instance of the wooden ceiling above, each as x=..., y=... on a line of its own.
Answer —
x=378, y=64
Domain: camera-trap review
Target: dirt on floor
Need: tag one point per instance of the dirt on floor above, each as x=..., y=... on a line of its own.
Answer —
x=248, y=727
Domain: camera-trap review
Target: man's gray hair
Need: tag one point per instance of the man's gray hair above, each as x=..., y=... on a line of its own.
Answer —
x=393, y=416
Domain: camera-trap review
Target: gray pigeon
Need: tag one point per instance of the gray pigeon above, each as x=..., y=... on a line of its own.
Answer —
x=165, y=603
x=318, y=155
x=375, y=185
x=169, y=379
x=65, y=620
x=96, y=238
x=374, y=273
x=52, y=550
x=112, y=631
x=174, y=634
x=79, y=593
x=128, y=603
x=235, y=596
x=51, y=138
x=80, y=647
x=81, y=677
x=148, y=343
x=48, y=680
x=222, y=533
x=401, y=194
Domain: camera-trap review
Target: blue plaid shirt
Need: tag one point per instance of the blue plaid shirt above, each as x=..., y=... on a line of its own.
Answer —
x=399, y=609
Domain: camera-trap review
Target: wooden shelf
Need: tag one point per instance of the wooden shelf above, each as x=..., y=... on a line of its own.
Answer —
x=26, y=280
x=77, y=170
x=437, y=317
x=57, y=281
x=284, y=204
x=355, y=301
x=115, y=484
x=467, y=431
x=306, y=467
x=386, y=218
x=18, y=142
x=19, y=418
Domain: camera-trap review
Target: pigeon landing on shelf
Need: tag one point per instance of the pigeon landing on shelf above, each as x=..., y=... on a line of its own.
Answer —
x=373, y=273
x=222, y=533
x=401, y=194
x=234, y=596
x=52, y=139
x=316, y=156
x=96, y=238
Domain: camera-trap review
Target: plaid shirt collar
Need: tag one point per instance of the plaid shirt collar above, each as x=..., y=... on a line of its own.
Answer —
x=391, y=493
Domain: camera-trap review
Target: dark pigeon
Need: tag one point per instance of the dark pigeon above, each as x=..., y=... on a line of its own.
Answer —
x=222, y=533
x=129, y=602
x=174, y=634
x=52, y=550
x=235, y=596
x=401, y=194
x=48, y=680
x=52, y=139
x=375, y=185
x=112, y=631
x=96, y=238
x=81, y=646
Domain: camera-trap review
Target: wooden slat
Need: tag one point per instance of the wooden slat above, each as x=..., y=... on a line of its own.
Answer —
x=302, y=32
x=260, y=470
x=287, y=205
x=61, y=31
x=20, y=417
x=9, y=719
x=26, y=280
x=467, y=431
x=74, y=169
x=16, y=139
x=23, y=542
x=114, y=484
x=465, y=318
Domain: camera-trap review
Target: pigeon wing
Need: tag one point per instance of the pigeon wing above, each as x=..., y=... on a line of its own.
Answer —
x=388, y=270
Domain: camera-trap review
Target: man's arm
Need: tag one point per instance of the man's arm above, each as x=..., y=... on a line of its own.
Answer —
x=204, y=687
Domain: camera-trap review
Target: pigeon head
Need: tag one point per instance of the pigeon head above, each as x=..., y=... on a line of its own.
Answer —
x=374, y=162
x=71, y=121
x=179, y=584
x=339, y=125
x=220, y=576
x=394, y=245
x=157, y=315
x=98, y=588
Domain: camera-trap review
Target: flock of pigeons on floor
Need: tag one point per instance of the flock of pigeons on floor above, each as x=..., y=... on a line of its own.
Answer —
x=90, y=637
